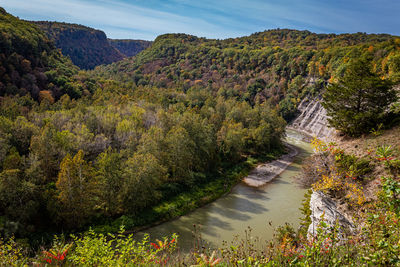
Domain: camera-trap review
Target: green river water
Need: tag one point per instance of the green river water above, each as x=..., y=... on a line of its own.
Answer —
x=277, y=202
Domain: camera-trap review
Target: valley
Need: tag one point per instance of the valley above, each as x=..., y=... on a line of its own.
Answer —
x=123, y=152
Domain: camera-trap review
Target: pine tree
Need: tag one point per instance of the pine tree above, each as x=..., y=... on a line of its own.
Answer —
x=358, y=101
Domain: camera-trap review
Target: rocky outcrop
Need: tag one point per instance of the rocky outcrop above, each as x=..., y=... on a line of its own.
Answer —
x=324, y=208
x=313, y=119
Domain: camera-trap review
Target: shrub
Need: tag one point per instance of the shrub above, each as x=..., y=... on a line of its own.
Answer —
x=11, y=253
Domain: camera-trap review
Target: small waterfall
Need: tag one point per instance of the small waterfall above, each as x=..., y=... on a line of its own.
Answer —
x=313, y=119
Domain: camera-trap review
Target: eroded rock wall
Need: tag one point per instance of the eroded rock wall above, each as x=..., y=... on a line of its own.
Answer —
x=324, y=208
x=312, y=119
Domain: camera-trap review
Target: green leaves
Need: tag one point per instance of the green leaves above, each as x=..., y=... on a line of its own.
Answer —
x=391, y=193
x=77, y=188
x=357, y=103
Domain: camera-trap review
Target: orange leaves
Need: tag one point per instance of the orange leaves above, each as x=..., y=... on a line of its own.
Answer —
x=46, y=96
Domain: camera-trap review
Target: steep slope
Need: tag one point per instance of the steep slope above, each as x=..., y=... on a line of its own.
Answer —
x=86, y=47
x=129, y=48
x=276, y=65
x=30, y=63
x=312, y=119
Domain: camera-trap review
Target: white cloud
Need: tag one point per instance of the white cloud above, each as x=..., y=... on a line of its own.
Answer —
x=111, y=14
x=212, y=18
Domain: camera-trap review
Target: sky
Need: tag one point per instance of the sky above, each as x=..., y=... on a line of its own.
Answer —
x=220, y=19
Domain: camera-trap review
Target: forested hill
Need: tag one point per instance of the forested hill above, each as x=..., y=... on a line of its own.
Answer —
x=129, y=47
x=86, y=47
x=30, y=63
x=279, y=65
x=87, y=151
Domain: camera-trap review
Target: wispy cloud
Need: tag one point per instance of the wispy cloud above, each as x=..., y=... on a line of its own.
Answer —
x=211, y=18
x=147, y=23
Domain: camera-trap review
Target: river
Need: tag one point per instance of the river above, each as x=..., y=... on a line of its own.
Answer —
x=277, y=202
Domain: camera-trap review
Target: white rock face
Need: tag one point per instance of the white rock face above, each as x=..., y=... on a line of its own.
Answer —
x=322, y=206
x=313, y=119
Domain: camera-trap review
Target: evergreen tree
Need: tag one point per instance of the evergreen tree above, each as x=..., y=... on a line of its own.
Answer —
x=357, y=102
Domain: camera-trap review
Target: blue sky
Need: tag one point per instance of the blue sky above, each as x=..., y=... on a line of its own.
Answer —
x=146, y=19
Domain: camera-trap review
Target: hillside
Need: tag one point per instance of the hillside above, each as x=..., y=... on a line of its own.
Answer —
x=86, y=47
x=99, y=151
x=30, y=63
x=129, y=47
x=150, y=138
x=279, y=65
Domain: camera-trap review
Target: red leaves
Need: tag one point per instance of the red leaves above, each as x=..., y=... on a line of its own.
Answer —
x=385, y=158
x=155, y=245
x=162, y=245
x=57, y=256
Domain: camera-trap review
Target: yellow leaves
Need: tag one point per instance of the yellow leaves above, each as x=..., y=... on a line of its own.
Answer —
x=318, y=145
x=335, y=182
x=328, y=183
x=355, y=194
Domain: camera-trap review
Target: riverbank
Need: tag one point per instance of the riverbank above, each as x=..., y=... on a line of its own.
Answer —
x=262, y=209
x=266, y=172
x=184, y=203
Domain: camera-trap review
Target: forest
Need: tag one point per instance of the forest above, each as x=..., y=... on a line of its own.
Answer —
x=103, y=150
x=147, y=138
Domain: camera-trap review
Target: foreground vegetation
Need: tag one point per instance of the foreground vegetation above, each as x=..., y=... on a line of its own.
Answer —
x=374, y=242
x=146, y=140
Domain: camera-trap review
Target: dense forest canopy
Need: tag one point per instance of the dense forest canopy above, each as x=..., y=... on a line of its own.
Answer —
x=129, y=47
x=279, y=65
x=127, y=141
x=86, y=47
x=114, y=149
x=30, y=63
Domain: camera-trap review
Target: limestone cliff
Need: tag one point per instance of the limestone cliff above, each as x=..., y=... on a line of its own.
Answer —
x=324, y=208
x=312, y=119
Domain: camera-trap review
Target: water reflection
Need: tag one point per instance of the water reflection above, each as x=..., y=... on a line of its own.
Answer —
x=278, y=202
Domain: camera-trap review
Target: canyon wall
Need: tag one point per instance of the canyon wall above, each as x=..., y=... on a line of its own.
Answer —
x=312, y=119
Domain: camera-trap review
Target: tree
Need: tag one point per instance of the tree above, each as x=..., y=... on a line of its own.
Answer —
x=18, y=201
x=358, y=101
x=77, y=190
x=231, y=140
x=142, y=175
x=180, y=149
x=109, y=173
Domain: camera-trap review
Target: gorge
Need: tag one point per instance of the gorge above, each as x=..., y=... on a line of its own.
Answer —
x=276, y=202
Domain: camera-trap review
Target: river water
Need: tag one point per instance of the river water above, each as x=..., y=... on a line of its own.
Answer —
x=277, y=202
